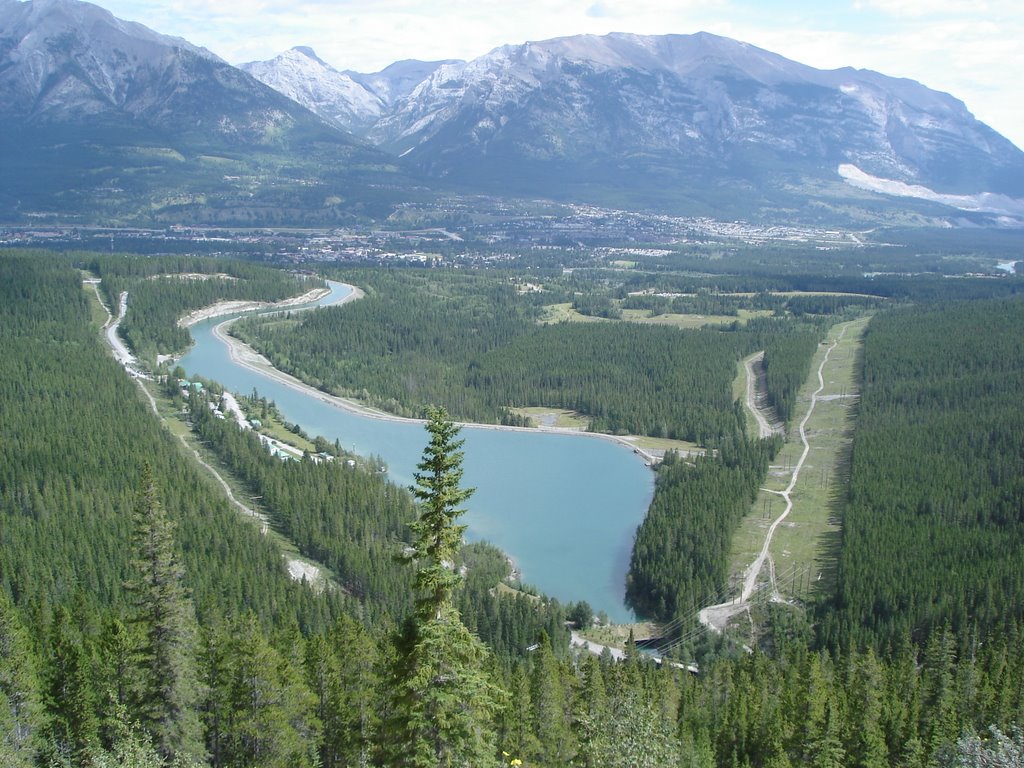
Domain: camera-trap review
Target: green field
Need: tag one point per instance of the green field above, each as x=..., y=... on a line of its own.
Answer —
x=801, y=543
x=554, y=417
x=559, y=313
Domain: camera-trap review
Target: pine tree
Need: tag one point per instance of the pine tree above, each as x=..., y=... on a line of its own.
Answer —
x=117, y=655
x=638, y=736
x=437, y=537
x=20, y=704
x=938, y=675
x=343, y=672
x=443, y=703
x=868, y=748
x=168, y=690
x=215, y=663
x=517, y=738
x=551, y=724
x=591, y=715
x=322, y=671
x=270, y=720
x=826, y=748
x=72, y=729
x=132, y=748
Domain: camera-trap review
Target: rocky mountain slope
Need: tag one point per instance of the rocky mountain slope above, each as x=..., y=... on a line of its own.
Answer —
x=697, y=121
x=113, y=120
x=303, y=77
x=396, y=81
x=109, y=117
x=349, y=100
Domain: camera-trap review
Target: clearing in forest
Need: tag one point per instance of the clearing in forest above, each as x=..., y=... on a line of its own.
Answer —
x=749, y=387
x=798, y=554
x=797, y=559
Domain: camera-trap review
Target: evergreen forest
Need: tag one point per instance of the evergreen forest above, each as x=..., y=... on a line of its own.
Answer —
x=476, y=344
x=145, y=622
x=162, y=290
x=934, y=520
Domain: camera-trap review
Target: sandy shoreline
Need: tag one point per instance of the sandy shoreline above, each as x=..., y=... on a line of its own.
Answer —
x=230, y=307
x=244, y=355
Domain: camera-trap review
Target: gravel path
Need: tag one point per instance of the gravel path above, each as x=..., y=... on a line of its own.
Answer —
x=716, y=616
x=765, y=428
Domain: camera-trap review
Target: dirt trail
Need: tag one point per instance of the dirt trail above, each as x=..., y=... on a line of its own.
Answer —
x=764, y=427
x=716, y=616
x=298, y=569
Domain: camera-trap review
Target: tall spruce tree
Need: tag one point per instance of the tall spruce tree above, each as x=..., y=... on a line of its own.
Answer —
x=270, y=720
x=443, y=702
x=343, y=672
x=20, y=700
x=72, y=730
x=556, y=743
x=437, y=537
x=168, y=691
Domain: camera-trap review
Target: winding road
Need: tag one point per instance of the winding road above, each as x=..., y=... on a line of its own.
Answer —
x=765, y=429
x=298, y=569
x=716, y=617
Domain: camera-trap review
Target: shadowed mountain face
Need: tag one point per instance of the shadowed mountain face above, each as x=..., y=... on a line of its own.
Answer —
x=112, y=119
x=696, y=121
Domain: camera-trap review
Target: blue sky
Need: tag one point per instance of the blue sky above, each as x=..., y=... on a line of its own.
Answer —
x=970, y=48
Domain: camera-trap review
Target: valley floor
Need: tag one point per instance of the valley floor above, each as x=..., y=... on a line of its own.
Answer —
x=298, y=568
x=246, y=356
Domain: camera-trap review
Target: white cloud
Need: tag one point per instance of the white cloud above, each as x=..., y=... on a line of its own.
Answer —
x=916, y=9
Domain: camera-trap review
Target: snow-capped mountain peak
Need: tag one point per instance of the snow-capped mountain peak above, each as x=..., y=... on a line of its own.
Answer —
x=697, y=104
x=696, y=122
x=304, y=77
x=40, y=20
x=350, y=100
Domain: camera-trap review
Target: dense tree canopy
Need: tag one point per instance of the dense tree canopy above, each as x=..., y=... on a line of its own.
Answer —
x=921, y=662
x=472, y=343
x=933, y=532
x=162, y=290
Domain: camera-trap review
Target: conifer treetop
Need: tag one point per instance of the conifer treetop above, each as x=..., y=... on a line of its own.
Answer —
x=437, y=538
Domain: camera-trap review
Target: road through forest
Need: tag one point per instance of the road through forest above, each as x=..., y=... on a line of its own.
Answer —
x=298, y=569
x=716, y=617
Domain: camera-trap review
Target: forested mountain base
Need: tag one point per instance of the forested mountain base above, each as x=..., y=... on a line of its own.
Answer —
x=75, y=665
x=350, y=519
x=73, y=438
x=682, y=547
x=270, y=673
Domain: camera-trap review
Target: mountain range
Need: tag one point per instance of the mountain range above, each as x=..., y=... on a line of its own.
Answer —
x=107, y=120
x=113, y=119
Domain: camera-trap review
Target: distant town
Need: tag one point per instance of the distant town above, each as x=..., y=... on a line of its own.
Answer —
x=472, y=232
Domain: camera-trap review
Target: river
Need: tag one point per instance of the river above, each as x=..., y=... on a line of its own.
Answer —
x=564, y=507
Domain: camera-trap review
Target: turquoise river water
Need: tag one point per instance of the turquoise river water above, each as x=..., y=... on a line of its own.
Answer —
x=564, y=507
